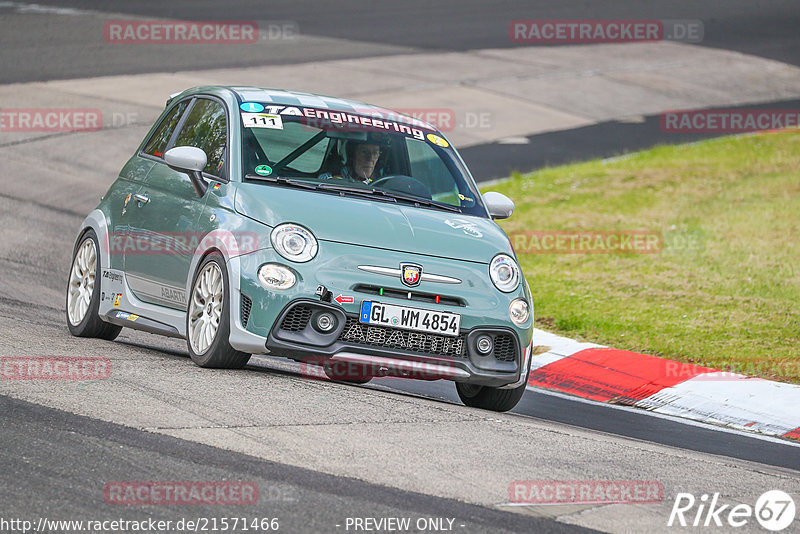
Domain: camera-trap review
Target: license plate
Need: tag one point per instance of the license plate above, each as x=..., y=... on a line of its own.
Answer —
x=416, y=319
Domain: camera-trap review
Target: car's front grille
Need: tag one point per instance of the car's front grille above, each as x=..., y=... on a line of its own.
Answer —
x=396, y=338
x=409, y=295
x=505, y=349
x=247, y=305
x=297, y=319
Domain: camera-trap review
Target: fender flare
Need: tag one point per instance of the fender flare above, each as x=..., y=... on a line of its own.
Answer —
x=226, y=243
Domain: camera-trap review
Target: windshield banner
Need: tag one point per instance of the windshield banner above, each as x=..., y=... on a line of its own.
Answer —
x=326, y=118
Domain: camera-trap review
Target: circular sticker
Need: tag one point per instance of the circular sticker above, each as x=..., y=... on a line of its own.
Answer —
x=251, y=107
x=438, y=141
x=263, y=170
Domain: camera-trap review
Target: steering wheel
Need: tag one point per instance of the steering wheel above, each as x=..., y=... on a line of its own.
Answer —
x=403, y=184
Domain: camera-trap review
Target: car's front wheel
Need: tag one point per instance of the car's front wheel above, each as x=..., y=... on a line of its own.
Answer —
x=489, y=398
x=83, y=293
x=208, y=324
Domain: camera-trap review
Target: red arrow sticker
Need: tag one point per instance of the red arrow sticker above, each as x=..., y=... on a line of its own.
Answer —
x=341, y=299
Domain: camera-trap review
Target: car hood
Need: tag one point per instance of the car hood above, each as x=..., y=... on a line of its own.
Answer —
x=374, y=223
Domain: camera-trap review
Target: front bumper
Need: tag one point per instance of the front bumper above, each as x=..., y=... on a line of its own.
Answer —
x=259, y=314
x=370, y=350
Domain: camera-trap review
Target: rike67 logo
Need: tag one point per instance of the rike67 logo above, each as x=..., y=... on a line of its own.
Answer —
x=774, y=510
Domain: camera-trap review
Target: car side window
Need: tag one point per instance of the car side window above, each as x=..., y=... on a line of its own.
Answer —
x=158, y=141
x=428, y=167
x=206, y=127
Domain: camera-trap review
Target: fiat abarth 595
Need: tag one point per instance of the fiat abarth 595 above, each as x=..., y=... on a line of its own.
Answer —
x=331, y=232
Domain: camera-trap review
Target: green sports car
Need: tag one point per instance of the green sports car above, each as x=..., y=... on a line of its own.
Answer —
x=342, y=235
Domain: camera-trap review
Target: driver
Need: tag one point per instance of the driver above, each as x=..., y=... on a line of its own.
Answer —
x=361, y=158
x=364, y=157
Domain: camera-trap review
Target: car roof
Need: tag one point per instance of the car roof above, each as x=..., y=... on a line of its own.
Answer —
x=297, y=98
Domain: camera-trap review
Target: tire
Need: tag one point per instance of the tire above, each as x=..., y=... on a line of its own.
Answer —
x=209, y=305
x=489, y=398
x=343, y=372
x=83, y=293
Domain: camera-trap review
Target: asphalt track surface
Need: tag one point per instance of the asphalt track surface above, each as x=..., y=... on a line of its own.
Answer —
x=354, y=29
x=767, y=29
x=601, y=140
x=630, y=423
x=53, y=461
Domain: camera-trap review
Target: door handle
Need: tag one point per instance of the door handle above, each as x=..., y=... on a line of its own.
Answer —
x=141, y=199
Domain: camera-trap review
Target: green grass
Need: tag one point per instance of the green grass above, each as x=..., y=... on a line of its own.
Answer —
x=724, y=291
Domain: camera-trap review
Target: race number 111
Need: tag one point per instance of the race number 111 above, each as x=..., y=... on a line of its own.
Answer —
x=262, y=120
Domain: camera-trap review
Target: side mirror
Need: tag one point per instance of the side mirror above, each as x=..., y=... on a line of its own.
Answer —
x=192, y=161
x=499, y=205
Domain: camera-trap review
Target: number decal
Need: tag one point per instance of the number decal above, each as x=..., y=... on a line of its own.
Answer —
x=262, y=120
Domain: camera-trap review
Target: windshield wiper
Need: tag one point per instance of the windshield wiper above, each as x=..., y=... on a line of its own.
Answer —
x=420, y=200
x=356, y=191
x=392, y=196
x=281, y=180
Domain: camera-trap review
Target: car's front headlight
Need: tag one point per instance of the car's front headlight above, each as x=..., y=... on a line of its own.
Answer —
x=504, y=273
x=294, y=242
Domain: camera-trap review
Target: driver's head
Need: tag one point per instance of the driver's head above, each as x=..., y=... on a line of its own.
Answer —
x=365, y=156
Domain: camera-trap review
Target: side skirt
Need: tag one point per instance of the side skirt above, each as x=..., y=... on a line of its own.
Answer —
x=137, y=322
x=120, y=306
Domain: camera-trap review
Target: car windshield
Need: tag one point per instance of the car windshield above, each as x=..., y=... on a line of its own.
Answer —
x=394, y=158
